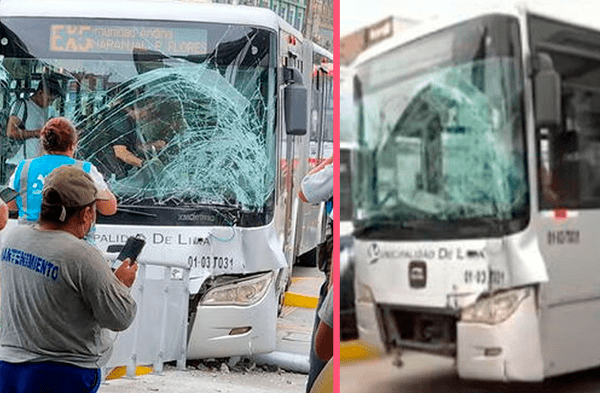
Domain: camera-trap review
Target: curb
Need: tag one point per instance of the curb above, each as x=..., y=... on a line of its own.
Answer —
x=121, y=371
x=285, y=360
x=358, y=350
x=297, y=300
x=296, y=294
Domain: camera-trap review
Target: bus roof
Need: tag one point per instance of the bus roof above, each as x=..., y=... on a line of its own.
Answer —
x=584, y=15
x=322, y=51
x=164, y=10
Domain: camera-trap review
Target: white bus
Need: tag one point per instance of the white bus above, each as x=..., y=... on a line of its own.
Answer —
x=477, y=191
x=222, y=97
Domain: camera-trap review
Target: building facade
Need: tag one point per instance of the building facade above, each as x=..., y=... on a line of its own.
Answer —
x=351, y=45
x=319, y=23
x=314, y=18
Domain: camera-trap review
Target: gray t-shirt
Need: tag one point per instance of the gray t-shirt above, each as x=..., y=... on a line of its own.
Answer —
x=58, y=299
x=318, y=186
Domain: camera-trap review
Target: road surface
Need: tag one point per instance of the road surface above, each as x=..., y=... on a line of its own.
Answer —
x=294, y=331
x=204, y=380
x=432, y=374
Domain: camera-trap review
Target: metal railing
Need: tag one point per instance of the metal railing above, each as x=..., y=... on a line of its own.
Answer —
x=158, y=333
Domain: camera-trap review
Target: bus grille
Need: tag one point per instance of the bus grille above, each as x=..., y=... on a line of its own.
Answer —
x=432, y=331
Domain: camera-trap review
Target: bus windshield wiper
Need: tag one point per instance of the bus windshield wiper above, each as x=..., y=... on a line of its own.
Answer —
x=419, y=224
x=392, y=220
x=136, y=212
x=231, y=213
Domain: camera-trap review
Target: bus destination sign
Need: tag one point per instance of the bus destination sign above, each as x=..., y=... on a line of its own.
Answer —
x=121, y=39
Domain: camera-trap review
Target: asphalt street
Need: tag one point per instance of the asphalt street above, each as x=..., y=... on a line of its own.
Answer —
x=423, y=373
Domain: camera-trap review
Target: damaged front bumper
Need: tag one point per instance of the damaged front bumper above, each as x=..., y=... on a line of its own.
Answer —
x=501, y=347
x=233, y=330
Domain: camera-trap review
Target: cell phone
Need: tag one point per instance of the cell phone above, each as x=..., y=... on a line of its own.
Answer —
x=132, y=249
x=8, y=194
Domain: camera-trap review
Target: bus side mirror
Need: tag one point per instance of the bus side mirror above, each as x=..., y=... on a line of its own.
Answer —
x=547, y=94
x=295, y=98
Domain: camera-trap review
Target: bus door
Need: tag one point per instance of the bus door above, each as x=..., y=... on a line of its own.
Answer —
x=569, y=193
x=292, y=150
x=321, y=146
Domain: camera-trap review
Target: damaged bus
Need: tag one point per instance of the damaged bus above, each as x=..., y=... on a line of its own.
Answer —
x=197, y=116
x=477, y=191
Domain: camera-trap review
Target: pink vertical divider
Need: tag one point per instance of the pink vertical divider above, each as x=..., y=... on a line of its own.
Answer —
x=336, y=191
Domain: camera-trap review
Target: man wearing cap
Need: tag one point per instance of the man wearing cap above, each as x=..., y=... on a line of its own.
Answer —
x=26, y=120
x=59, y=295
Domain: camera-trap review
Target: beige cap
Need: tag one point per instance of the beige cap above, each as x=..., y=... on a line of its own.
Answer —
x=74, y=187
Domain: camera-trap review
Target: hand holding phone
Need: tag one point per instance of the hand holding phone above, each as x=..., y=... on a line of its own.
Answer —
x=126, y=273
x=132, y=249
x=8, y=194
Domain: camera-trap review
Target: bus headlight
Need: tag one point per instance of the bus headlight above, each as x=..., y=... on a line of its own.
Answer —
x=364, y=294
x=496, y=308
x=242, y=292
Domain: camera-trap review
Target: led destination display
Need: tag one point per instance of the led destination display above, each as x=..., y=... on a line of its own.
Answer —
x=123, y=39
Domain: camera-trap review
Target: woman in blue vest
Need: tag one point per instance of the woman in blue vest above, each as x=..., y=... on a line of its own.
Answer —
x=59, y=140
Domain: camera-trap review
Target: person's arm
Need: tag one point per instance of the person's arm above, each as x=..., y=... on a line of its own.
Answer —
x=318, y=180
x=127, y=272
x=157, y=145
x=324, y=342
x=324, y=335
x=3, y=214
x=123, y=154
x=107, y=293
x=12, y=206
x=13, y=130
x=106, y=206
x=318, y=186
x=321, y=166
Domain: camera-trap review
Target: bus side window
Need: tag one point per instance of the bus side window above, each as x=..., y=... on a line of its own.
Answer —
x=565, y=180
x=574, y=176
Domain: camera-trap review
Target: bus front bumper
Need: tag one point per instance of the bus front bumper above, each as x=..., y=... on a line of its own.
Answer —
x=223, y=331
x=507, y=351
x=366, y=319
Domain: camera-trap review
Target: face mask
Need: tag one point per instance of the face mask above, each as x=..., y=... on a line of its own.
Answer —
x=90, y=234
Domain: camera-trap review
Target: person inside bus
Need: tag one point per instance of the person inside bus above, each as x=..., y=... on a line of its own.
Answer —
x=59, y=141
x=574, y=176
x=29, y=116
x=126, y=145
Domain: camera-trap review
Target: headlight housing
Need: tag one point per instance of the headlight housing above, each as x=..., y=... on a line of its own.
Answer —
x=496, y=308
x=364, y=294
x=241, y=292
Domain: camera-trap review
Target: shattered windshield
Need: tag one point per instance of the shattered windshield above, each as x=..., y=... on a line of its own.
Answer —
x=178, y=117
x=441, y=142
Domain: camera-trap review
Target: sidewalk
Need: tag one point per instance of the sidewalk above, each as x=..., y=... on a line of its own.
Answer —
x=294, y=332
x=295, y=324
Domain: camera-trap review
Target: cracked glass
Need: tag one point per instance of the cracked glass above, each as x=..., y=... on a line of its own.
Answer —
x=178, y=117
x=441, y=142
